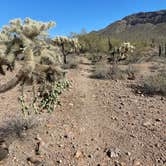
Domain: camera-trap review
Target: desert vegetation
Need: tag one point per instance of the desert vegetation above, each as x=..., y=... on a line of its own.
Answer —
x=86, y=99
x=24, y=43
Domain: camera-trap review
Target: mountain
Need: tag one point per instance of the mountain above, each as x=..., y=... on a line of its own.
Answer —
x=140, y=26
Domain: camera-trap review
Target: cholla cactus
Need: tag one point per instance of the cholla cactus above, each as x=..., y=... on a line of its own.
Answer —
x=40, y=60
x=120, y=53
x=19, y=35
x=63, y=42
x=124, y=49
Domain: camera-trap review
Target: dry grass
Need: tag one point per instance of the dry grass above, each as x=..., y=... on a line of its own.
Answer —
x=17, y=128
x=72, y=62
x=155, y=84
x=105, y=71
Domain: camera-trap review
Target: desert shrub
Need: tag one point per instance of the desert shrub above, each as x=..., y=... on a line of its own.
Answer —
x=104, y=71
x=17, y=127
x=140, y=54
x=131, y=72
x=116, y=73
x=94, y=43
x=72, y=62
x=155, y=84
x=95, y=57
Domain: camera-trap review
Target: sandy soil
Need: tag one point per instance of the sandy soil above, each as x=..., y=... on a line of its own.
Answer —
x=100, y=123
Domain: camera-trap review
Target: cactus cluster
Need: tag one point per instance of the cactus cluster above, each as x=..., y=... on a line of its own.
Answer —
x=67, y=45
x=121, y=52
x=24, y=43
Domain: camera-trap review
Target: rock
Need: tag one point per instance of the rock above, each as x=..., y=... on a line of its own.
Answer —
x=66, y=136
x=71, y=104
x=113, y=152
x=162, y=98
x=39, y=147
x=4, y=151
x=114, y=118
x=59, y=161
x=136, y=163
x=89, y=156
x=78, y=154
x=128, y=153
x=35, y=160
x=117, y=163
x=158, y=120
x=146, y=124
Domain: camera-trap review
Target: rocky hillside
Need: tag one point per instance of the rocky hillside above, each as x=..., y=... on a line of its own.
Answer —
x=143, y=25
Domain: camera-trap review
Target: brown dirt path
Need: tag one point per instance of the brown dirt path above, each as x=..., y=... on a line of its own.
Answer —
x=95, y=115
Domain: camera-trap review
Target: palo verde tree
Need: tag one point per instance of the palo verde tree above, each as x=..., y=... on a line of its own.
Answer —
x=22, y=43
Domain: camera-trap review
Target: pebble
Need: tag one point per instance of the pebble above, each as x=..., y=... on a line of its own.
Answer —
x=113, y=152
x=78, y=154
x=136, y=163
x=128, y=153
x=66, y=136
x=158, y=120
x=59, y=161
x=34, y=160
x=146, y=124
x=71, y=104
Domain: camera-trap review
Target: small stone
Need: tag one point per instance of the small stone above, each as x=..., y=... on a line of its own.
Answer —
x=113, y=152
x=122, y=103
x=34, y=160
x=4, y=151
x=59, y=161
x=122, y=164
x=162, y=98
x=94, y=96
x=117, y=163
x=92, y=139
x=71, y=104
x=146, y=124
x=136, y=163
x=97, y=149
x=128, y=153
x=114, y=118
x=89, y=156
x=66, y=136
x=60, y=146
x=158, y=120
x=78, y=154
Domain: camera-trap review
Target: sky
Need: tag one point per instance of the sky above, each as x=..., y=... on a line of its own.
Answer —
x=75, y=15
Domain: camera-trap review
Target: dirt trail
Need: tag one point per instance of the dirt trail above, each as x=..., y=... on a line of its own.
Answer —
x=95, y=116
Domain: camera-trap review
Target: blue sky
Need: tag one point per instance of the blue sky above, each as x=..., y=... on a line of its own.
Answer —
x=73, y=15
